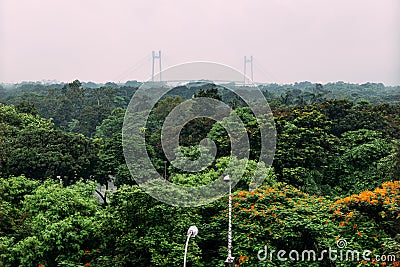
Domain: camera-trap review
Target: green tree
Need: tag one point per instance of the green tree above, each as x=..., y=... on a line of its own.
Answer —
x=26, y=107
x=140, y=231
x=58, y=224
x=35, y=148
x=357, y=167
x=280, y=217
x=304, y=148
x=111, y=125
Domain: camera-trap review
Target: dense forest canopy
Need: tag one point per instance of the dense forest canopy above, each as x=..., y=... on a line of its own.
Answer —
x=335, y=176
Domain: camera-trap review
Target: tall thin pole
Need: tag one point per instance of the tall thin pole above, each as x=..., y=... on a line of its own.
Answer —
x=186, y=247
x=229, y=260
x=192, y=232
x=230, y=223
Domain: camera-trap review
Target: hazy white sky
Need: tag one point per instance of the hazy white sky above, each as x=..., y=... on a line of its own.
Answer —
x=291, y=40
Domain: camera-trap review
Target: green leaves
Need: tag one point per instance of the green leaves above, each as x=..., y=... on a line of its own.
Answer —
x=280, y=217
x=34, y=147
x=356, y=168
x=332, y=148
x=52, y=221
x=141, y=231
x=304, y=148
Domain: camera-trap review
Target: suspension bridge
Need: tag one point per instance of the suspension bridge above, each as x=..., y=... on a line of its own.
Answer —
x=157, y=60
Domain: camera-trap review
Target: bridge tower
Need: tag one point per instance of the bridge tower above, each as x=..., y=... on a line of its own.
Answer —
x=156, y=56
x=246, y=61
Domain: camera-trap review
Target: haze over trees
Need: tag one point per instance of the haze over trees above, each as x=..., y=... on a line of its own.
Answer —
x=335, y=175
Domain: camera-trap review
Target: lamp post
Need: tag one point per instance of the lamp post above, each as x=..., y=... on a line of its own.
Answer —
x=229, y=260
x=192, y=232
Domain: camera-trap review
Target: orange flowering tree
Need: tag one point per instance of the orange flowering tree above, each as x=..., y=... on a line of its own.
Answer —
x=282, y=217
x=279, y=217
x=371, y=220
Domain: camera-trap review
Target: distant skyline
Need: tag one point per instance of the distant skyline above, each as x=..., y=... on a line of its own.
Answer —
x=291, y=41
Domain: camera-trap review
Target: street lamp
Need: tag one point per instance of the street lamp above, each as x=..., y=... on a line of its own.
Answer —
x=229, y=260
x=192, y=232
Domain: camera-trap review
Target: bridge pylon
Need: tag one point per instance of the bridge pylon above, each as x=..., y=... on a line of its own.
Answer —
x=156, y=56
x=246, y=61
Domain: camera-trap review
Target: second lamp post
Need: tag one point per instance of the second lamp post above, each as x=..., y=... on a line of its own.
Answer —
x=229, y=260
